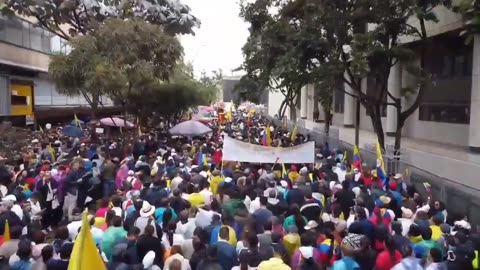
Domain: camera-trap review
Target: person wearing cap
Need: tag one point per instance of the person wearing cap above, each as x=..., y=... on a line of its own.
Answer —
x=350, y=246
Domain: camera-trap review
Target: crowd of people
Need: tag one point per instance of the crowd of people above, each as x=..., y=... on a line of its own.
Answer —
x=163, y=202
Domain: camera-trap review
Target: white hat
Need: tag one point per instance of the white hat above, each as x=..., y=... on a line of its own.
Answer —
x=311, y=224
x=131, y=173
x=173, y=151
x=356, y=190
x=463, y=224
x=228, y=179
x=147, y=261
x=35, y=141
x=147, y=209
x=10, y=198
x=407, y=213
x=307, y=252
x=284, y=183
x=397, y=176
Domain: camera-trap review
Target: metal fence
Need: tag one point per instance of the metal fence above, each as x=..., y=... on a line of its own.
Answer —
x=457, y=197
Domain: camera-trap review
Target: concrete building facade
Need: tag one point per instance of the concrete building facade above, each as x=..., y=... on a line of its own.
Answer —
x=450, y=111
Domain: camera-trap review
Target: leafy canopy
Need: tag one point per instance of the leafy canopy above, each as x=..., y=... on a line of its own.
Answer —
x=67, y=18
x=119, y=58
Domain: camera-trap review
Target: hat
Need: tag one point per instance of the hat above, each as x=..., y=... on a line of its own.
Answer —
x=461, y=223
x=357, y=191
x=407, y=213
x=148, y=260
x=228, y=180
x=35, y=141
x=352, y=241
x=306, y=252
x=398, y=176
x=293, y=168
x=284, y=183
x=419, y=251
x=311, y=224
x=10, y=198
x=385, y=200
x=131, y=173
x=147, y=209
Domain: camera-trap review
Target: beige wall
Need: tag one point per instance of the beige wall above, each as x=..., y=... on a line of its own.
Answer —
x=16, y=56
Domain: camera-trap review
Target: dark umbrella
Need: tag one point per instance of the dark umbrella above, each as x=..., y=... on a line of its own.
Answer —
x=72, y=131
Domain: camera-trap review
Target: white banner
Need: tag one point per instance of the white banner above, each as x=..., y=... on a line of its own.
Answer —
x=234, y=150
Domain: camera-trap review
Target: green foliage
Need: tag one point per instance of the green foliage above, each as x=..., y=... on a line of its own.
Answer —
x=119, y=58
x=168, y=99
x=68, y=18
x=470, y=10
x=249, y=89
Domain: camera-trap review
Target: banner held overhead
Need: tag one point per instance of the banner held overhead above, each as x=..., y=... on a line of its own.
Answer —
x=234, y=150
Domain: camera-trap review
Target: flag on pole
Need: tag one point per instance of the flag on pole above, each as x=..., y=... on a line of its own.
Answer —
x=344, y=156
x=85, y=255
x=77, y=122
x=381, y=174
x=40, y=127
x=139, y=127
x=268, y=136
x=294, y=134
x=357, y=161
x=285, y=175
x=6, y=232
x=52, y=152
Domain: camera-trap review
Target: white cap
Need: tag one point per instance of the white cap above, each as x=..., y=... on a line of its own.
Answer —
x=131, y=173
x=311, y=224
x=10, y=198
x=228, y=179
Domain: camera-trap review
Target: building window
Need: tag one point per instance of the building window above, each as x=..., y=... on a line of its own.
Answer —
x=339, y=99
x=448, y=99
x=19, y=100
x=23, y=34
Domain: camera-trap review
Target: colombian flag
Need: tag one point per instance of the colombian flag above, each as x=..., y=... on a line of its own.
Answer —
x=328, y=251
x=381, y=174
x=357, y=161
x=267, y=140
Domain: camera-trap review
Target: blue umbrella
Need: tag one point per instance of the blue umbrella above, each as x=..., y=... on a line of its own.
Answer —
x=72, y=131
x=72, y=123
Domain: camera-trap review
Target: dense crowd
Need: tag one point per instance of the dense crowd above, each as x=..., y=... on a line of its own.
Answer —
x=163, y=202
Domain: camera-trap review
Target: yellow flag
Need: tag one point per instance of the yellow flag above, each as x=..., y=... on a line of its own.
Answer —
x=6, y=232
x=77, y=122
x=294, y=134
x=85, y=255
x=52, y=152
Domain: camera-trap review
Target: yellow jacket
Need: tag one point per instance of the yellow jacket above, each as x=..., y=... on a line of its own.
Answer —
x=273, y=264
x=214, y=182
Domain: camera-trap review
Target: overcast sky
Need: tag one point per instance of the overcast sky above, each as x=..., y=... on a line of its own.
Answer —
x=218, y=42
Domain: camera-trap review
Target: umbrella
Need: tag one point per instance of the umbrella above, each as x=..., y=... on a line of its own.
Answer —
x=190, y=128
x=116, y=122
x=72, y=131
x=73, y=123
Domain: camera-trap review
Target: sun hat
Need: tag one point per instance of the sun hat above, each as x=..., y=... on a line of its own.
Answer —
x=352, y=241
x=147, y=209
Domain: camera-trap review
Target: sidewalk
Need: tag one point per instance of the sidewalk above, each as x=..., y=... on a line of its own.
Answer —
x=451, y=162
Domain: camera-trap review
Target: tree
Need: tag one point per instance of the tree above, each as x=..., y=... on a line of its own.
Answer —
x=338, y=46
x=68, y=18
x=249, y=88
x=211, y=80
x=168, y=100
x=271, y=53
x=119, y=58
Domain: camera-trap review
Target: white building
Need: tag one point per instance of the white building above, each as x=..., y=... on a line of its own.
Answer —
x=444, y=133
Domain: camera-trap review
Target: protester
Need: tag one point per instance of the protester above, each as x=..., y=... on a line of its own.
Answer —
x=160, y=202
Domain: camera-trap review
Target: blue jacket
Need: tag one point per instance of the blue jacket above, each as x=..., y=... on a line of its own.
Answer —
x=227, y=255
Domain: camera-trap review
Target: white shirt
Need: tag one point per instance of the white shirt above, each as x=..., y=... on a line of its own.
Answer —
x=254, y=205
x=73, y=229
x=406, y=223
x=35, y=210
x=207, y=194
x=176, y=182
x=186, y=229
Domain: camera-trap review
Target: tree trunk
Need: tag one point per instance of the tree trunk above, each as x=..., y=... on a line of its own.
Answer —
x=328, y=119
x=281, y=111
x=376, y=118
